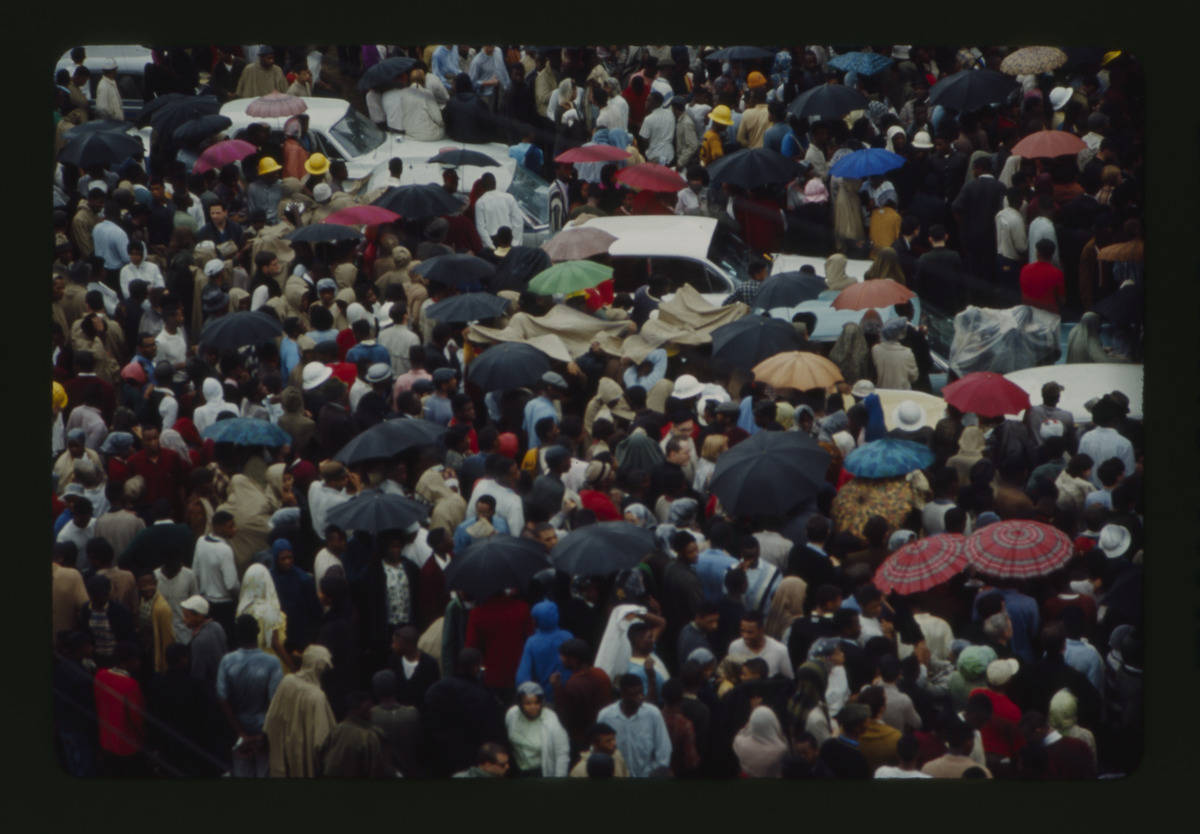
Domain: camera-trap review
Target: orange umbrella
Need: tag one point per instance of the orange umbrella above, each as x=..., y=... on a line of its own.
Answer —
x=1048, y=144
x=797, y=369
x=872, y=293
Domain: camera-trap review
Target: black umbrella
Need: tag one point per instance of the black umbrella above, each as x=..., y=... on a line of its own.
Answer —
x=233, y=330
x=787, y=289
x=458, y=270
x=472, y=306
x=372, y=511
x=100, y=126
x=462, y=156
x=157, y=103
x=518, y=266
x=508, y=365
x=972, y=89
x=390, y=438
x=751, y=168
x=828, y=101
x=101, y=148
x=1123, y=308
x=769, y=473
x=324, y=233
x=603, y=548
x=174, y=113
x=751, y=339
x=385, y=72
x=488, y=567
x=418, y=202
x=201, y=128
x=740, y=53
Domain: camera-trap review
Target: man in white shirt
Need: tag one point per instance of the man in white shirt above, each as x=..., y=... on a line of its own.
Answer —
x=399, y=339
x=694, y=198
x=658, y=129
x=108, y=97
x=616, y=105
x=1012, y=243
x=497, y=208
x=327, y=493
x=172, y=342
x=81, y=528
x=754, y=642
x=501, y=472
x=1104, y=441
x=216, y=570
x=139, y=268
x=177, y=583
x=331, y=554
x=421, y=118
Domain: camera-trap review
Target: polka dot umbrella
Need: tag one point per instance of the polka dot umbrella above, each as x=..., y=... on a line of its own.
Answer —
x=1031, y=60
x=1018, y=549
x=922, y=564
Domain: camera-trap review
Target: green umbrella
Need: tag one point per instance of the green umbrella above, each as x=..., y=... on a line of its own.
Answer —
x=569, y=276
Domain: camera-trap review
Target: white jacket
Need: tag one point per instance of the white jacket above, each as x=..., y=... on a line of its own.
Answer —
x=556, y=758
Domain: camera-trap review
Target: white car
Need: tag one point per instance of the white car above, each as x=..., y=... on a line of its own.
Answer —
x=131, y=72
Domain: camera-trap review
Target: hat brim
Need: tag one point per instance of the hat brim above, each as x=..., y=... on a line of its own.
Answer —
x=311, y=384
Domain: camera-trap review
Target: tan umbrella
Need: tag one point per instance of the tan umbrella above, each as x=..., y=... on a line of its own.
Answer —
x=576, y=243
x=798, y=369
x=1032, y=60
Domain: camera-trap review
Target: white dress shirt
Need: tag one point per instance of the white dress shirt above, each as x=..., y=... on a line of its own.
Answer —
x=495, y=209
x=147, y=271
x=1011, y=240
x=215, y=569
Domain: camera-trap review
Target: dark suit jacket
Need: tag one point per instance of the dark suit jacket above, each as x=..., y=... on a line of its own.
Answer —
x=460, y=715
x=411, y=692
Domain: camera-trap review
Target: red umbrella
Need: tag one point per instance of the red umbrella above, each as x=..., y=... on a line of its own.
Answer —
x=275, y=104
x=1048, y=144
x=650, y=176
x=874, y=292
x=593, y=153
x=922, y=564
x=986, y=394
x=1018, y=549
x=362, y=216
x=221, y=154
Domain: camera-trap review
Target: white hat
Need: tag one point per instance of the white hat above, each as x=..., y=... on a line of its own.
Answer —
x=922, y=141
x=999, y=672
x=108, y=65
x=97, y=185
x=1114, y=540
x=908, y=416
x=901, y=53
x=863, y=388
x=196, y=604
x=1059, y=97
x=214, y=267
x=686, y=387
x=844, y=441
x=322, y=192
x=1051, y=428
x=314, y=374
x=379, y=372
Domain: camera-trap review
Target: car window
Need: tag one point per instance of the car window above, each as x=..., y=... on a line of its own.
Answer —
x=357, y=133
x=630, y=273
x=130, y=86
x=680, y=271
x=728, y=251
x=532, y=194
x=941, y=328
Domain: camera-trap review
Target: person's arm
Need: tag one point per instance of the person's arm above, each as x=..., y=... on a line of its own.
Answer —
x=662, y=743
x=281, y=652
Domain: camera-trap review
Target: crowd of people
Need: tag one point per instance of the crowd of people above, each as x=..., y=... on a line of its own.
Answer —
x=210, y=619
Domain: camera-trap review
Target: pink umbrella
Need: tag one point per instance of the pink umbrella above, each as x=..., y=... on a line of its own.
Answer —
x=362, y=216
x=221, y=154
x=275, y=104
x=649, y=176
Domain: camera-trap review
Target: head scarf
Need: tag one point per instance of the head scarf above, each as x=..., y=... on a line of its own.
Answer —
x=1084, y=344
x=58, y=396
x=645, y=519
x=275, y=482
x=760, y=746
x=835, y=272
x=212, y=390
x=887, y=265
x=259, y=599
x=236, y=296
x=314, y=663
x=973, y=662
x=895, y=329
x=785, y=414
x=850, y=352
x=787, y=603
x=816, y=192
x=1064, y=709
x=530, y=688
x=683, y=511
x=971, y=442
x=173, y=440
x=847, y=212
x=891, y=133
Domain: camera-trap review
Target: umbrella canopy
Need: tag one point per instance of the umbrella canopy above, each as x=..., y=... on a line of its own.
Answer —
x=275, y=105
x=507, y=365
x=199, y=129
x=324, y=233
x=593, y=153
x=740, y=53
x=1018, y=549
x=157, y=103
x=172, y=114
x=861, y=63
x=602, y=548
x=100, y=148
x=385, y=72
x=751, y=168
x=972, y=89
x=650, y=176
x=887, y=458
x=1124, y=308
x=418, y=202
x=1048, y=144
x=1129, y=251
x=570, y=276
x=457, y=270
x=462, y=156
x=472, y=306
x=751, y=339
x=828, y=101
x=871, y=294
x=1031, y=60
x=518, y=266
x=986, y=394
x=223, y=153
x=362, y=216
x=100, y=126
x=861, y=498
x=498, y=562
x=247, y=431
x=797, y=369
x=372, y=511
x=769, y=473
x=922, y=564
x=787, y=289
x=576, y=243
x=390, y=438
x=866, y=163
x=233, y=330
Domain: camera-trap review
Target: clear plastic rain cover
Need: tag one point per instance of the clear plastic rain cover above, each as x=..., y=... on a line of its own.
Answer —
x=1003, y=340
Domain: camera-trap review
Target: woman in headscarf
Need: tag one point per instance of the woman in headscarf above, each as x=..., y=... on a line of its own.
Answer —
x=297, y=594
x=1084, y=344
x=252, y=509
x=642, y=517
x=785, y=414
x=760, y=745
x=786, y=605
x=449, y=507
x=173, y=440
x=886, y=265
x=970, y=452
x=539, y=742
x=259, y=599
x=850, y=352
x=1063, y=717
x=714, y=445
x=214, y=405
x=683, y=515
x=807, y=705
x=897, y=140
x=835, y=272
x=299, y=719
x=609, y=402
x=804, y=418
x=848, y=232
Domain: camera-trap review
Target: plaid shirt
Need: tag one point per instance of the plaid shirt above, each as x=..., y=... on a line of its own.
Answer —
x=746, y=292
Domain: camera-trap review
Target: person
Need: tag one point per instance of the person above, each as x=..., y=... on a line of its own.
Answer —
x=907, y=751
x=492, y=762
x=216, y=572
x=657, y=131
x=940, y=274
x=975, y=208
x=959, y=737
x=540, y=657
x=1042, y=283
x=108, y=96
x=497, y=209
x=539, y=742
x=754, y=642
x=206, y=641
x=247, y=681
x=895, y=364
x=760, y=746
x=121, y=715
x=260, y=78
x=461, y=714
x=603, y=741
x=579, y=697
x=641, y=732
x=154, y=625
x=399, y=724
x=1104, y=441
x=354, y=748
x=877, y=740
x=841, y=754
x=299, y=720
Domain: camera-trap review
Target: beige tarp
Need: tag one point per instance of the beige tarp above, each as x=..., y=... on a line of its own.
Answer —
x=562, y=334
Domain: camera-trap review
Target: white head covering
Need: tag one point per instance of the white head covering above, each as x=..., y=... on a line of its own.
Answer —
x=760, y=746
x=356, y=311
x=213, y=391
x=259, y=599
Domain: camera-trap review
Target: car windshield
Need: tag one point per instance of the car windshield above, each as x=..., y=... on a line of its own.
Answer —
x=941, y=328
x=532, y=193
x=729, y=252
x=357, y=133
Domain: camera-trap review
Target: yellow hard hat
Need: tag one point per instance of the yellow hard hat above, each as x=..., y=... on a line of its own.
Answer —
x=58, y=396
x=266, y=165
x=722, y=115
x=1109, y=57
x=756, y=79
x=317, y=164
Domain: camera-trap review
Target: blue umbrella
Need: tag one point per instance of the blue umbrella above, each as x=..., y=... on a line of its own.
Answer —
x=247, y=431
x=862, y=63
x=865, y=163
x=888, y=458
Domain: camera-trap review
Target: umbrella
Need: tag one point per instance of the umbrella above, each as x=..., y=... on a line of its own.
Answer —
x=866, y=163
x=385, y=72
x=751, y=168
x=769, y=473
x=1129, y=251
x=887, y=458
x=223, y=153
x=1048, y=144
x=797, y=369
x=593, y=153
x=1018, y=549
x=247, y=431
x=576, y=243
x=498, y=562
x=972, y=89
x=986, y=394
x=199, y=129
x=324, y=233
x=390, y=438
x=861, y=498
x=603, y=548
x=1123, y=308
x=362, y=216
x=828, y=101
x=740, y=53
x=1032, y=60
x=650, y=176
x=749, y=340
x=570, y=276
x=157, y=103
x=177, y=111
x=418, y=202
x=457, y=270
x=100, y=126
x=276, y=104
x=462, y=156
x=472, y=306
x=518, y=266
x=872, y=294
x=100, y=148
x=922, y=564
x=233, y=330
x=787, y=289
x=507, y=365
x=372, y=511
x=861, y=63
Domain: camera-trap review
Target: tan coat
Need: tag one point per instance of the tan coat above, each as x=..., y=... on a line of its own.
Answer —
x=67, y=595
x=252, y=510
x=298, y=722
x=81, y=230
x=895, y=366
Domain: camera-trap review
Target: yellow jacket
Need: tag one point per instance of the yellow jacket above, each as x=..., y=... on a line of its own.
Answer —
x=711, y=148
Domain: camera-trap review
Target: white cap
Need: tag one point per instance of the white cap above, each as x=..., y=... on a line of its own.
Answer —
x=999, y=672
x=108, y=65
x=863, y=388
x=908, y=416
x=314, y=374
x=196, y=604
x=686, y=387
x=214, y=267
x=322, y=192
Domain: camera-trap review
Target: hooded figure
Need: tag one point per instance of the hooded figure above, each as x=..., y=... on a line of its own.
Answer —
x=639, y=451
x=302, y=429
x=835, y=273
x=786, y=605
x=609, y=402
x=544, y=733
x=297, y=594
x=300, y=719
x=850, y=353
x=214, y=405
x=970, y=451
x=540, y=660
x=259, y=599
x=760, y=746
x=1063, y=716
x=252, y=511
x=848, y=229
x=1084, y=344
x=449, y=508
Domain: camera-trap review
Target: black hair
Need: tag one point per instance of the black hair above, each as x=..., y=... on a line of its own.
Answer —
x=752, y=617
x=1110, y=471
x=576, y=649
x=758, y=666
x=842, y=618
x=245, y=630
x=955, y=520
x=321, y=317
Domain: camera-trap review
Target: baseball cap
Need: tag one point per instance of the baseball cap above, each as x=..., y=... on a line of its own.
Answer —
x=196, y=604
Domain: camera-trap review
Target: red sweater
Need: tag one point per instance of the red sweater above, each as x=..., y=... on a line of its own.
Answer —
x=119, y=711
x=1042, y=285
x=498, y=628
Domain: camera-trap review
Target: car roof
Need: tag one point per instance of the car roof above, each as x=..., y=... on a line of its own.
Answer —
x=128, y=57
x=664, y=236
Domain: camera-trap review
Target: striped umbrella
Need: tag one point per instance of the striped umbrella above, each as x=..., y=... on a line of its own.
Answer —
x=1018, y=549
x=1032, y=60
x=275, y=104
x=922, y=564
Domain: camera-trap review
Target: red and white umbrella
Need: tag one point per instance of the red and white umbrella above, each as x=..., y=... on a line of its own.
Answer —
x=223, y=153
x=275, y=104
x=922, y=564
x=362, y=216
x=986, y=394
x=650, y=176
x=1018, y=549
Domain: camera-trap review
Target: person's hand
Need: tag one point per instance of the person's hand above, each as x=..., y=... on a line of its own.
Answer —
x=649, y=667
x=556, y=678
x=888, y=628
x=653, y=605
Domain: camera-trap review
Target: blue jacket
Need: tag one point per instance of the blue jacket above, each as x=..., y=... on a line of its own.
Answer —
x=540, y=659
